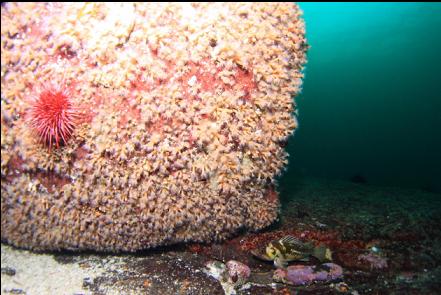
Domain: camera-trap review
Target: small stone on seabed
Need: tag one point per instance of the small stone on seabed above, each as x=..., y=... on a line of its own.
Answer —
x=15, y=291
x=87, y=282
x=8, y=271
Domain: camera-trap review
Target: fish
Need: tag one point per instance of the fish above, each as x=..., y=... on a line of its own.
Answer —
x=290, y=248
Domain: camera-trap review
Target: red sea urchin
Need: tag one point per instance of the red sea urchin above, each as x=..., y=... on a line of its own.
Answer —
x=53, y=115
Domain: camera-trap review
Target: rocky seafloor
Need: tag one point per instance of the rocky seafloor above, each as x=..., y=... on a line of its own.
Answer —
x=387, y=240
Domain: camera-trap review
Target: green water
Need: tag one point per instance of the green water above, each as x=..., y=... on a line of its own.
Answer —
x=371, y=101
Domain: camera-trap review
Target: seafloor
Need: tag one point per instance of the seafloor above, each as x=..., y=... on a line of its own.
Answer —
x=388, y=241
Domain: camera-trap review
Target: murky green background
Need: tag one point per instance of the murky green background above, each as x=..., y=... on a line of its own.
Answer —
x=371, y=101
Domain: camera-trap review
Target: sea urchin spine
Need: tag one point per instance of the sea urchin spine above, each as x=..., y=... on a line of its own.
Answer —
x=53, y=116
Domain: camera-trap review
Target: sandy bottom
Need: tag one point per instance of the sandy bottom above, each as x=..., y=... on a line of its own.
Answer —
x=45, y=274
x=388, y=240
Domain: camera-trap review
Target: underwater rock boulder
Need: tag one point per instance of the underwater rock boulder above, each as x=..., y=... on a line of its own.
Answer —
x=126, y=126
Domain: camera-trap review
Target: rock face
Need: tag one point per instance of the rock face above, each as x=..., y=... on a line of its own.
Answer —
x=128, y=126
